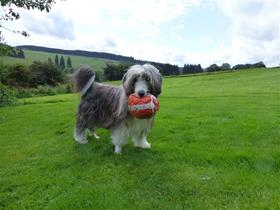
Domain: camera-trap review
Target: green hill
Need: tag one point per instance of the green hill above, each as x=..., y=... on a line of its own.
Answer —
x=97, y=63
x=215, y=145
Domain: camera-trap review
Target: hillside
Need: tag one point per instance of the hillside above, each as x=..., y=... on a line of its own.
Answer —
x=83, y=53
x=215, y=145
x=97, y=63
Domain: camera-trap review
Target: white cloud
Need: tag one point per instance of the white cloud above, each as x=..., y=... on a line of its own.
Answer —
x=206, y=39
x=134, y=28
x=54, y=24
x=255, y=30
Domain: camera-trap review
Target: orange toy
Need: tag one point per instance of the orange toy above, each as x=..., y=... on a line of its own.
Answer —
x=142, y=107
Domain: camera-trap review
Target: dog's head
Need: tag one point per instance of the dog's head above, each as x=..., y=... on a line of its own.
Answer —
x=142, y=80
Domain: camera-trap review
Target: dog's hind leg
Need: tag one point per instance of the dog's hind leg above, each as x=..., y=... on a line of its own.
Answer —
x=93, y=133
x=79, y=133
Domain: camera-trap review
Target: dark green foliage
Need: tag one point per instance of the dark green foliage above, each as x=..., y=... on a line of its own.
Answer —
x=225, y=66
x=18, y=75
x=56, y=60
x=246, y=66
x=213, y=67
x=45, y=73
x=69, y=62
x=17, y=53
x=43, y=91
x=115, y=71
x=167, y=69
x=62, y=63
x=190, y=69
x=5, y=49
x=7, y=96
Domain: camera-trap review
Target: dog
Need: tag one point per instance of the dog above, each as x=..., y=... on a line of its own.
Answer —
x=105, y=106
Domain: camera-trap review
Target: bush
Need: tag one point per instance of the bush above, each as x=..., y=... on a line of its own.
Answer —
x=18, y=75
x=3, y=74
x=115, y=71
x=213, y=67
x=45, y=73
x=7, y=96
x=43, y=91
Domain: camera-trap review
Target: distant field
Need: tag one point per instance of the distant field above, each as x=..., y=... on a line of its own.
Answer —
x=215, y=145
x=97, y=63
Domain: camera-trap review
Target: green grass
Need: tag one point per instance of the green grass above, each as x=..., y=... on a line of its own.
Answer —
x=97, y=63
x=215, y=145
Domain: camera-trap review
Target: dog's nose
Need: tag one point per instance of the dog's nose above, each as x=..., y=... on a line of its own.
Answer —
x=141, y=93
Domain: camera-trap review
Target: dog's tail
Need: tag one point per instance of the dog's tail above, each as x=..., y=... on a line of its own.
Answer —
x=83, y=79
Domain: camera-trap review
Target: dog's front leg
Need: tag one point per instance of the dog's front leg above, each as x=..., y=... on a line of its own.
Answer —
x=119, y=138
x=141, y=141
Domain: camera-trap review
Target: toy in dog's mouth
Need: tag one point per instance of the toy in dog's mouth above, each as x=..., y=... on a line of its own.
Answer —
x=142, y=107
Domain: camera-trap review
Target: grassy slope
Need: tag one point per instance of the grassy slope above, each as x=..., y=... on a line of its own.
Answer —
x=30, y=56
x=215, y=145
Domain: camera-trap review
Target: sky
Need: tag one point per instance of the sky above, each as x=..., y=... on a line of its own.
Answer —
x=169, y=31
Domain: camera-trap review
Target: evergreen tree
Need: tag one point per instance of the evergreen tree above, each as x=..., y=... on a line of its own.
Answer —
x=56, y=60
x=69, y=62
x=62, y=63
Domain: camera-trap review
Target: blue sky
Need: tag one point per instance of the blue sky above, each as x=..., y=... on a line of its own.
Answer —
x=174, y=31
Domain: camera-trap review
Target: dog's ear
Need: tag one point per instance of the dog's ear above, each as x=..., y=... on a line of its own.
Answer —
x=124, y=78
x=155, y=79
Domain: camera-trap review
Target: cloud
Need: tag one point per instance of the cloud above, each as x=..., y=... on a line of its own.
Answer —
x=255, y=30
x=54, y=24
x=154, y=29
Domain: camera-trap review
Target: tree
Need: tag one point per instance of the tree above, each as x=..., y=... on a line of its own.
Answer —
x=190, y=69
x=225, y=66
x=56, y=60
x=11, y=14
x=45, y=73
x=18, y=75
x=62, y=63
x=213, y=67
x=69, y=62
x=115, y=71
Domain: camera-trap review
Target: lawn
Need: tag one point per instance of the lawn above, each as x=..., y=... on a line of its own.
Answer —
x=30, y=56
x=215, y=145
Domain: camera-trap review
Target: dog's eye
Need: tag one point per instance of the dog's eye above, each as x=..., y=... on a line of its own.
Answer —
x=135, y=80
x=146, y=77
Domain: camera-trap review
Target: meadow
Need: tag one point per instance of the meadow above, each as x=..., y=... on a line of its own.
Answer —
x=31, y=56
x=215, y=145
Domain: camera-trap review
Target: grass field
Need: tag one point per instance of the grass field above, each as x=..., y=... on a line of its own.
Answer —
x=215, y=145
x=31, y=56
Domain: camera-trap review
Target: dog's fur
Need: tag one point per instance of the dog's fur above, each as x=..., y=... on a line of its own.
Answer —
x=104, y=106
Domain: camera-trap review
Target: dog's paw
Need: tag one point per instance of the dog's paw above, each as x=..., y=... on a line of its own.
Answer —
x=95, y=136
x=81, y=141
x=143, y=145
x=118, y=149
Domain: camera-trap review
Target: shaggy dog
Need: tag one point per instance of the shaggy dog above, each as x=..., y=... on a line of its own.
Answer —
x=105, y=106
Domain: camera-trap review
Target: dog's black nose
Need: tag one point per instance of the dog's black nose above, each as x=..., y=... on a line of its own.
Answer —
x=141, y=93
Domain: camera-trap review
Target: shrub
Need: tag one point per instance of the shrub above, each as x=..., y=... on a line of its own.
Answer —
x=3, y=74
x=45, y=73
x=213, y=67
x=7, y=96
x=18, y=75
x=43, y=91
x=115, y=71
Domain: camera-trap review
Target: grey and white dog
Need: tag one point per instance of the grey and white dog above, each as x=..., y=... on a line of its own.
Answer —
x=105, y=106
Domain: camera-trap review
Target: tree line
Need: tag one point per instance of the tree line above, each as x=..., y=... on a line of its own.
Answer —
x=116, y=71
